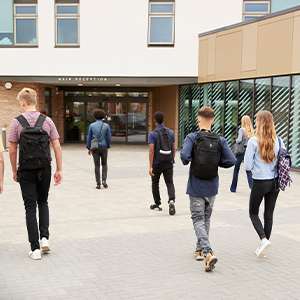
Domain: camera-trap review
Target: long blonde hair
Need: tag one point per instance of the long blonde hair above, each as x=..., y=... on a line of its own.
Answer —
x=247, y=126
x=266, y=136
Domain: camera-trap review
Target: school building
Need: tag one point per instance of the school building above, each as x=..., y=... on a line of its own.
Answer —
x=132, y=58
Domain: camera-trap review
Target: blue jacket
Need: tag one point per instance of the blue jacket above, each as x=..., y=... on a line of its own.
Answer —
x=201, y=187
x=94, y=131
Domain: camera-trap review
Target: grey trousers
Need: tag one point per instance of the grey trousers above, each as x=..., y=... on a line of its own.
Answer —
x=101, y=152
x=201, y=210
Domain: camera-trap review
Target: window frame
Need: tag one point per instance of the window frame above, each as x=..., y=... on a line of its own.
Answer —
x=254, y=14
x=24, y=17
x=161, y=15
x=67, y=16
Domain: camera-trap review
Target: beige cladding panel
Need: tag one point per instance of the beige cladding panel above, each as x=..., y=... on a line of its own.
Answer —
x=203, y=55
x=249, y=47
x=274, y=50
x=229, y=56
x=296, y=46
x=211, y=56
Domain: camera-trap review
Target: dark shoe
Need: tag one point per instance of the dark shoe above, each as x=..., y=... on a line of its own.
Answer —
x=98, y=186
x=155, y=207
x=104, y=184
x=172, y=210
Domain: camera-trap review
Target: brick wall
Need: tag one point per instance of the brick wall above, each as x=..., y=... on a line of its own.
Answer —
x=10, y=107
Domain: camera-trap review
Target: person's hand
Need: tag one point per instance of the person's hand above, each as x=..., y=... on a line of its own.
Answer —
x=89, y=152
x=57, y=178
x=1, y=187
x=150, y=172
x=15, y=176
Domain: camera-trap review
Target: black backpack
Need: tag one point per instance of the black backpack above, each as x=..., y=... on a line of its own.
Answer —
x=206, y=155
x=164, y=150
x=34, y=146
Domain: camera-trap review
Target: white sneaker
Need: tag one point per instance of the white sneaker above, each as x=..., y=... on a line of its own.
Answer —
x=262, y=250
x=256, y=252
x=45, y=245
x=36, y=254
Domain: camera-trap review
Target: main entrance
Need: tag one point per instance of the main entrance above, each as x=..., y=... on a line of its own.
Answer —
x=126, y=116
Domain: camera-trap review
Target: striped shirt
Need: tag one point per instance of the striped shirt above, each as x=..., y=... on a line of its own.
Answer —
x=31, y=117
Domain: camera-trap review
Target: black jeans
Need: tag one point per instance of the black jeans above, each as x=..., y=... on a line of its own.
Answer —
x=263, y=189
x=35, y=186
x=167, y=170
x=101, y=152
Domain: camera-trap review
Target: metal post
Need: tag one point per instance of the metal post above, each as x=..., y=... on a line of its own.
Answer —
x=4, y=137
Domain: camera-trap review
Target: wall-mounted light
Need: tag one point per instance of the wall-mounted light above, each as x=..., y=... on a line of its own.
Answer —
x=8, y=85
x=80, y=84
x=118, y=84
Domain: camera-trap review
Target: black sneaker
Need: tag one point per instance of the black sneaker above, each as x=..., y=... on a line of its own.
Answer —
x=104, y=184
x=155, y=207
x=98, y=186
x=172, y=210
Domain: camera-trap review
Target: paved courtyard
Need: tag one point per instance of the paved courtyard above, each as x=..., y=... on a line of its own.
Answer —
x=108, y=244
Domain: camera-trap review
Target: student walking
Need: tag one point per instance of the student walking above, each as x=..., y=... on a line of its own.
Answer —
x=206, y=151
x=33, y=132
x=261, y=158
x=101, y=131
x=1, y=166
x=246, y=132
x=161, y=159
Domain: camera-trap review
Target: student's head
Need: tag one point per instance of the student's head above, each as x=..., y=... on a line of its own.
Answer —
x=27, y=97
x=266, y=135
x=205, y=117
x=247, y=126
x=159, y=117
x=99, y=114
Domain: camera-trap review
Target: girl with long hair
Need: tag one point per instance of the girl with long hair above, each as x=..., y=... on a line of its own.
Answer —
x=246, y=132
x=261, y=158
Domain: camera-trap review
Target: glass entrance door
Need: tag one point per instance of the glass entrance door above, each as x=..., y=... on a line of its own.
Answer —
x=75, y=121
x=117, y=120
x=136, y=129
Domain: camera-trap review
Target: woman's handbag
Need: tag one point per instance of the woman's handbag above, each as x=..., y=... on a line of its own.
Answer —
x=95, y=142
x=239, y=148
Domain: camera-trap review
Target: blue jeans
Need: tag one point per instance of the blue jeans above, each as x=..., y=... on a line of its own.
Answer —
x=239, y=159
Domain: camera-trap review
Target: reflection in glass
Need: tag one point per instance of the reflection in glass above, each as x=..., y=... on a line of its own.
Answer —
x=256, y=7
x=183, y=114
x=136, y=94
x=218, y=106
x=116, y=118
x=67, y=9
x=231, y=104
x=90, y=107
x=161, y=8
x=67, y=31
x=161, y=29
x=75, y=93
x=136, y=126
x=194, y=107
x=205, y=95
x=75, y=121
x=280, y=106
x=263, y=94
x=6, y=22
x=26, y=31
x=246, y=99
x=25, y=10
x=294, y=132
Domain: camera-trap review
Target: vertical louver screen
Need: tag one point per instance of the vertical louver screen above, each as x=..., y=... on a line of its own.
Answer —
x=218, y=106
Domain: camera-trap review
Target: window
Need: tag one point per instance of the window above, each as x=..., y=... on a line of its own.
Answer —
x=67, y=23
x=48, y=102
x=254, y=9
x=18, y=22
x=161, y=23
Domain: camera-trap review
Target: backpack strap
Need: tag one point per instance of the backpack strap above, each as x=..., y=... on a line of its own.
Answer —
x=22, y=120
x=40, y=121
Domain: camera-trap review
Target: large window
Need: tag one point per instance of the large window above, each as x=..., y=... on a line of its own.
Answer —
x=161, y=23
x=254, y=9
x=67, y=23
x=18, y=23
